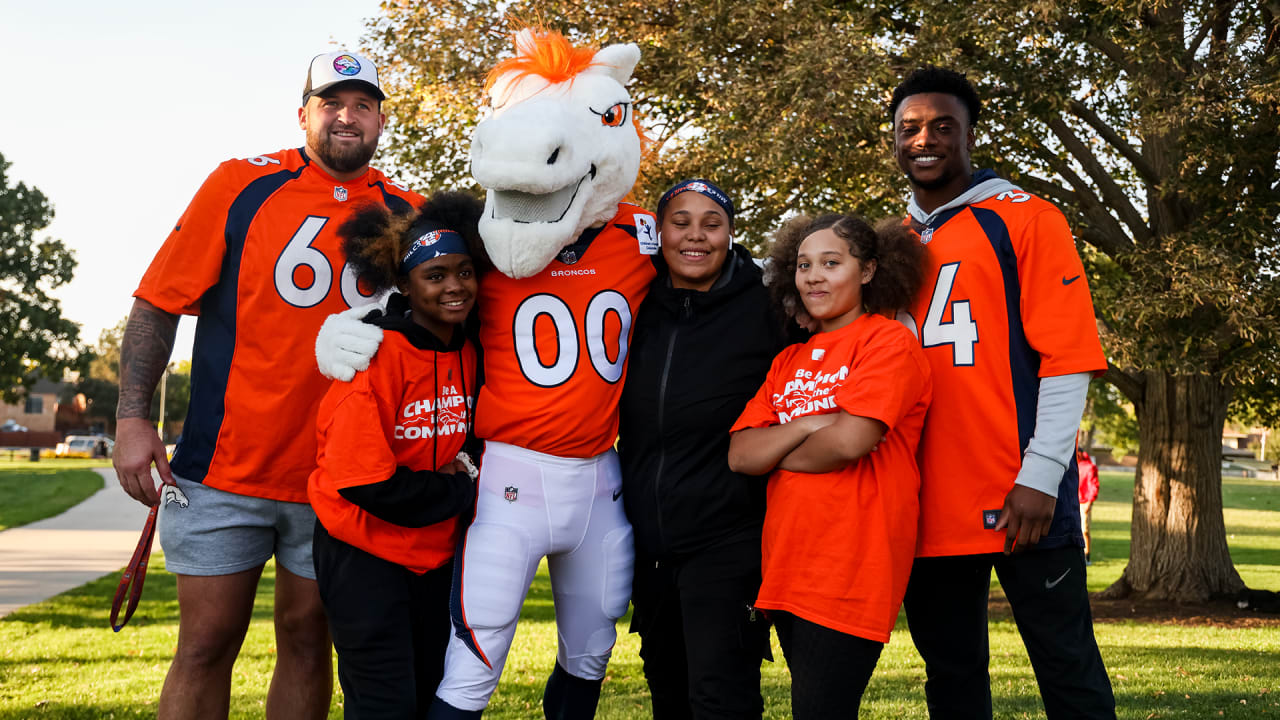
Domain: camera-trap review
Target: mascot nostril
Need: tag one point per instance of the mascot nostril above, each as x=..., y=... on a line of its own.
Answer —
x=555, y=154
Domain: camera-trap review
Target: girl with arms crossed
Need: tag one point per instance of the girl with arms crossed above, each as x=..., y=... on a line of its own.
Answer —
x=393, y=488
x=836, y=425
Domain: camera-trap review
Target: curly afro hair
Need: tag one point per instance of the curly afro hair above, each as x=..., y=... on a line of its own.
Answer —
x=895, y=249
x=375, y=238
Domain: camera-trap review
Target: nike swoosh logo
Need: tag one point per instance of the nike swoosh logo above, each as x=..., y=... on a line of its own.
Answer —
x=617, y=494
x=1051, y=585
x=1067, y=281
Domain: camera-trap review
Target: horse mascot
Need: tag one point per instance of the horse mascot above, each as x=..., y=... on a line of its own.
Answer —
x=556, y=156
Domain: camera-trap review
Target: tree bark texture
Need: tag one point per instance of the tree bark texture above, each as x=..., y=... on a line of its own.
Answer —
x=1178, y=547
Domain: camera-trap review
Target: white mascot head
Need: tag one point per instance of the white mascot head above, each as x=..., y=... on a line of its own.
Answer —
x=559, y=151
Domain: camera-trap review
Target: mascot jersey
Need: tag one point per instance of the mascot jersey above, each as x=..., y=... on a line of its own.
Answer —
x=256, y=255
x=1004, y=303
x=837, y=546
x=555, y=350
x=555, y=344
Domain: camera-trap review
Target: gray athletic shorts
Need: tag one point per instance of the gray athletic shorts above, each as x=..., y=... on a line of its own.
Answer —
x=220, y=533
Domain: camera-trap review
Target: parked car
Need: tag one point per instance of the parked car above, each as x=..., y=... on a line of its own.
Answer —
x=85, y=446
x=12, y=425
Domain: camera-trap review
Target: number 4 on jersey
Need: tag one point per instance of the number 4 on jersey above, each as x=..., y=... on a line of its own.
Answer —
x=962, y=332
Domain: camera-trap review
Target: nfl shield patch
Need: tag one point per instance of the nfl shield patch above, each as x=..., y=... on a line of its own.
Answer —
x=339, y=193
x=989, y=518
x=511, y=493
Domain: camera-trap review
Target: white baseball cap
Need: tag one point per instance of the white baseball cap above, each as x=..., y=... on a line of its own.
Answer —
x=340, y=66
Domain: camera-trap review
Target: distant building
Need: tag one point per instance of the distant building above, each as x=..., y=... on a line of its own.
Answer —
x=1244, y=452
x=39, y=411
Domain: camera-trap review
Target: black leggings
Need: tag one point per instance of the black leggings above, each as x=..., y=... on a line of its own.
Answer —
x=829, y=669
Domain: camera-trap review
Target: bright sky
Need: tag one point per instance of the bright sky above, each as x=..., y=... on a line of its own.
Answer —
x=123, y=108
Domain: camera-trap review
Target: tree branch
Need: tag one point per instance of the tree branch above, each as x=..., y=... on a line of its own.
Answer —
x=1044, y=188
x=1130, y=386
x=1212, y=22
x=1106, y=233
x=1111, y=192
x=1130, y=153
x=1113, y=52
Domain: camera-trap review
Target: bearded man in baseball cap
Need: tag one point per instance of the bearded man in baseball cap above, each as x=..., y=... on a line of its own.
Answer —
x=257, y=258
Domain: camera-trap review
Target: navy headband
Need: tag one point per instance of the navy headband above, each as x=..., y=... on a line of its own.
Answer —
x=702, y=187
x=432, y=242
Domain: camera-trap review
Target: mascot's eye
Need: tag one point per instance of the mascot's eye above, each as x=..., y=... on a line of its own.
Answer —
x=614, y=116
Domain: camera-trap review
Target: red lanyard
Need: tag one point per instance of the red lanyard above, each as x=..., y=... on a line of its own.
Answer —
x=137, y=567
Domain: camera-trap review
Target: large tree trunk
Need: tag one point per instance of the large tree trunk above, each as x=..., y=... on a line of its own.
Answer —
x=1178, y=545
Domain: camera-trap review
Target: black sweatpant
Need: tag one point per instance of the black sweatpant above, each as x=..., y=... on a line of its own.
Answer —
x=829, y=669
x=946, y=606
x=700, y=639
x=390, y=627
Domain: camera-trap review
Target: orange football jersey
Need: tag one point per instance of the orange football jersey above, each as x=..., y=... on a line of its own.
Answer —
x=838, y=546
x=1004, y=303
x=555, y=344
x=410, y=408
x=256, y=256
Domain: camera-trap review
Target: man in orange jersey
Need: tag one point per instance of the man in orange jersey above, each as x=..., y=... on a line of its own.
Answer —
x=257, y=258
x=1007, y=325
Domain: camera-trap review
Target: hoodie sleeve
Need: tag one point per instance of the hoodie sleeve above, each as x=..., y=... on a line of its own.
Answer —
x=414, y=498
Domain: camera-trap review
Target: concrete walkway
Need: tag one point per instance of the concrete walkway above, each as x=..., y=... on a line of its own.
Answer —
x=92, y=539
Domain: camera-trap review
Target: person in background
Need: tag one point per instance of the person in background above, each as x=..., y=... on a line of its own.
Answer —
x=1088, y=493
x=704, y=338
x=836, y=424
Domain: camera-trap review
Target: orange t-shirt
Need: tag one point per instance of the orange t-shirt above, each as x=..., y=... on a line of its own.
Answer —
x=555, y=344
x=256, y=255
x=1004, y=303
x=410, y=408
x=838, y=546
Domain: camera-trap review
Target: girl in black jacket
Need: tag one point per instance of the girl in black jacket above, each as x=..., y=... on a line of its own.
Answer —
x=703, y=342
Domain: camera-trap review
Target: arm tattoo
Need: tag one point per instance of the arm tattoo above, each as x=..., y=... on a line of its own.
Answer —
x=144, y=354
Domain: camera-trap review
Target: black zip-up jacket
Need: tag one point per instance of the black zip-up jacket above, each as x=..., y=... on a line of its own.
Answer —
x=695, y=361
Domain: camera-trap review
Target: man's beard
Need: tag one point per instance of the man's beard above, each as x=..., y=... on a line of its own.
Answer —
x=341, y=158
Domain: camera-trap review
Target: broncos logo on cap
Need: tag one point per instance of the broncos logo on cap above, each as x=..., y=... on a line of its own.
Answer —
x=346, y=65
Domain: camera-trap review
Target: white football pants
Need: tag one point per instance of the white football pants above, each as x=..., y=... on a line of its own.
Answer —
x=532, y=505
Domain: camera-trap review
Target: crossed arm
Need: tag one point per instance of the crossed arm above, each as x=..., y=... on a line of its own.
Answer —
x=811, y=444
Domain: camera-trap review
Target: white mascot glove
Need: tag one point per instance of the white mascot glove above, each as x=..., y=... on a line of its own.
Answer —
x=346, y=344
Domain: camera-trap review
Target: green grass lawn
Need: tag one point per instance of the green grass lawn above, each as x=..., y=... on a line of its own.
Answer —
x=31, y=491
x=58, y=659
